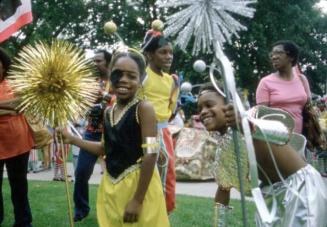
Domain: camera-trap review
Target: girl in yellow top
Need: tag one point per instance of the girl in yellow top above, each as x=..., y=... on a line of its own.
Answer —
x=161, y=91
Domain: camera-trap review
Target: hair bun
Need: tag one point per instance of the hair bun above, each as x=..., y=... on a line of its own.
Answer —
x=154, y=38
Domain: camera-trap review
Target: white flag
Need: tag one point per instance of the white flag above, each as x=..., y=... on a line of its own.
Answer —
x=14, y=14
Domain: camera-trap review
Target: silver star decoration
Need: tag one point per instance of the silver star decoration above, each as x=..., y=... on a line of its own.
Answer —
x=208, y=20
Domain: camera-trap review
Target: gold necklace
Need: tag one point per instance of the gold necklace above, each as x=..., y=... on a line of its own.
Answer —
x=122, y=113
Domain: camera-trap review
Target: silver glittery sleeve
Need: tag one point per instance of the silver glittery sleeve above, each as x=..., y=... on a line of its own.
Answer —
x=271, y=124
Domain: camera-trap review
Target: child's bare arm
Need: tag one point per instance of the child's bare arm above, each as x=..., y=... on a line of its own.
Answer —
x=222, y=196
x=95, y=148
x=149, y=130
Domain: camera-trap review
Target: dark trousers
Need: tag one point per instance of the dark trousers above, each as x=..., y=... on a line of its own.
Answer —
x=17, y=176
x=83, y=172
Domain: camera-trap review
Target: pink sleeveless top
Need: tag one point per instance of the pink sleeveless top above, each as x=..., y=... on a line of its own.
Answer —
x=290, y=96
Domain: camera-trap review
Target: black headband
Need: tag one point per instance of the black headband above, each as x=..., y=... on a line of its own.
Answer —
x=154, y=40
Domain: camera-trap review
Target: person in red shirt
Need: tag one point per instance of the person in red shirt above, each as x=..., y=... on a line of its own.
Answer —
x=16, y=141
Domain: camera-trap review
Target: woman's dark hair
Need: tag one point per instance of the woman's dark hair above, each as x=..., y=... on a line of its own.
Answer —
x=106, y=54
x=5, y=60
x=290, y=48
x=137, y=57
x=154, y=40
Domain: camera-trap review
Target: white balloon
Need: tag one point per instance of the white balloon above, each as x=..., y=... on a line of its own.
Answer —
x=186, y=87
x=199, y=66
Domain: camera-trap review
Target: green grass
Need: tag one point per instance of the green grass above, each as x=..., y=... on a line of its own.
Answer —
x=49, y=208
x=194, y=211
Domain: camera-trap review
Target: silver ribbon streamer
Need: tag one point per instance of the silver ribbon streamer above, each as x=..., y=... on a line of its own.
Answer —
x=220, y=57
x=212, y=25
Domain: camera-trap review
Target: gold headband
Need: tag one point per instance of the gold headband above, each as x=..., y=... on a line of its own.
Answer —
x=125, y=49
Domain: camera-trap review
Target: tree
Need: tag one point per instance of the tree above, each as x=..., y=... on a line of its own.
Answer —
x=295, y=20
x=81, y=22
x=52, y=19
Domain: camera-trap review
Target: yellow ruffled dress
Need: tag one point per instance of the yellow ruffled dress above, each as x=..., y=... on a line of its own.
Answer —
x=112, y=199
x=122, y=142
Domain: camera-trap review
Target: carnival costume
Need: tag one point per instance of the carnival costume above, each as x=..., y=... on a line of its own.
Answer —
x=299, y=200
x=225, y=166
x=159, y=91
x=123, y=162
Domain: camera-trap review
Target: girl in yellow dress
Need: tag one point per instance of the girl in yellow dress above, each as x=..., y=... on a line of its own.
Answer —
x=130, y=193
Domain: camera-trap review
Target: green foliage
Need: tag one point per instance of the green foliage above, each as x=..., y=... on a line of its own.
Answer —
x=273, y=21
x=194, y=211
x=132, y=19
x=52, y=19
x=81, y=22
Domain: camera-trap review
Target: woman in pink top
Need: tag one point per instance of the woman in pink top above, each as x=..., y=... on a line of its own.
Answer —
x=284, y=88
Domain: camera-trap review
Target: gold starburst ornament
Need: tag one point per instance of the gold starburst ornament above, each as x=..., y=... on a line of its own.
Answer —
x=55, y=82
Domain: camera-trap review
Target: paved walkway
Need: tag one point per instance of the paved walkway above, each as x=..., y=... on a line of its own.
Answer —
x=203, y=189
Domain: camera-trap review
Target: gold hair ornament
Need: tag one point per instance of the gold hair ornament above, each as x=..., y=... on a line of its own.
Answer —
x=122, y=48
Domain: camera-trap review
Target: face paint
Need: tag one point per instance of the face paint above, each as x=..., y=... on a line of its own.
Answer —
x=115, y=76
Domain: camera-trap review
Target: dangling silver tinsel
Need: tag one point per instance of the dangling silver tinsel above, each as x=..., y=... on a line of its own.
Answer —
x=208, y=20
x=211, y=22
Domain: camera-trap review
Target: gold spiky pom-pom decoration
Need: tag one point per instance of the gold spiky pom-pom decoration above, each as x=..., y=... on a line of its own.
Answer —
x=54, y=82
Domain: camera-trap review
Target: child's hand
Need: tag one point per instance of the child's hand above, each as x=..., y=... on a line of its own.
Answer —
x=65, y=135
x=229, y=115
x=132, y=211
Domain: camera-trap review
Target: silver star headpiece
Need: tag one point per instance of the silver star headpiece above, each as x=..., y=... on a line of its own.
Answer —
x=208, y=20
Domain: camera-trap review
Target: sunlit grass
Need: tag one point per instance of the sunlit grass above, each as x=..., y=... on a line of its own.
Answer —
x=49, y=208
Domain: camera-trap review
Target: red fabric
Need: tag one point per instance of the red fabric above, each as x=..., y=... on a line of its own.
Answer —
x=15, y=135
x=171, y=175
x=154, y=33
x=58, y=153
x=20, y=22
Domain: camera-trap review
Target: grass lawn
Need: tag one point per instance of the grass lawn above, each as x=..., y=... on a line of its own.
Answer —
x=49, y=208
